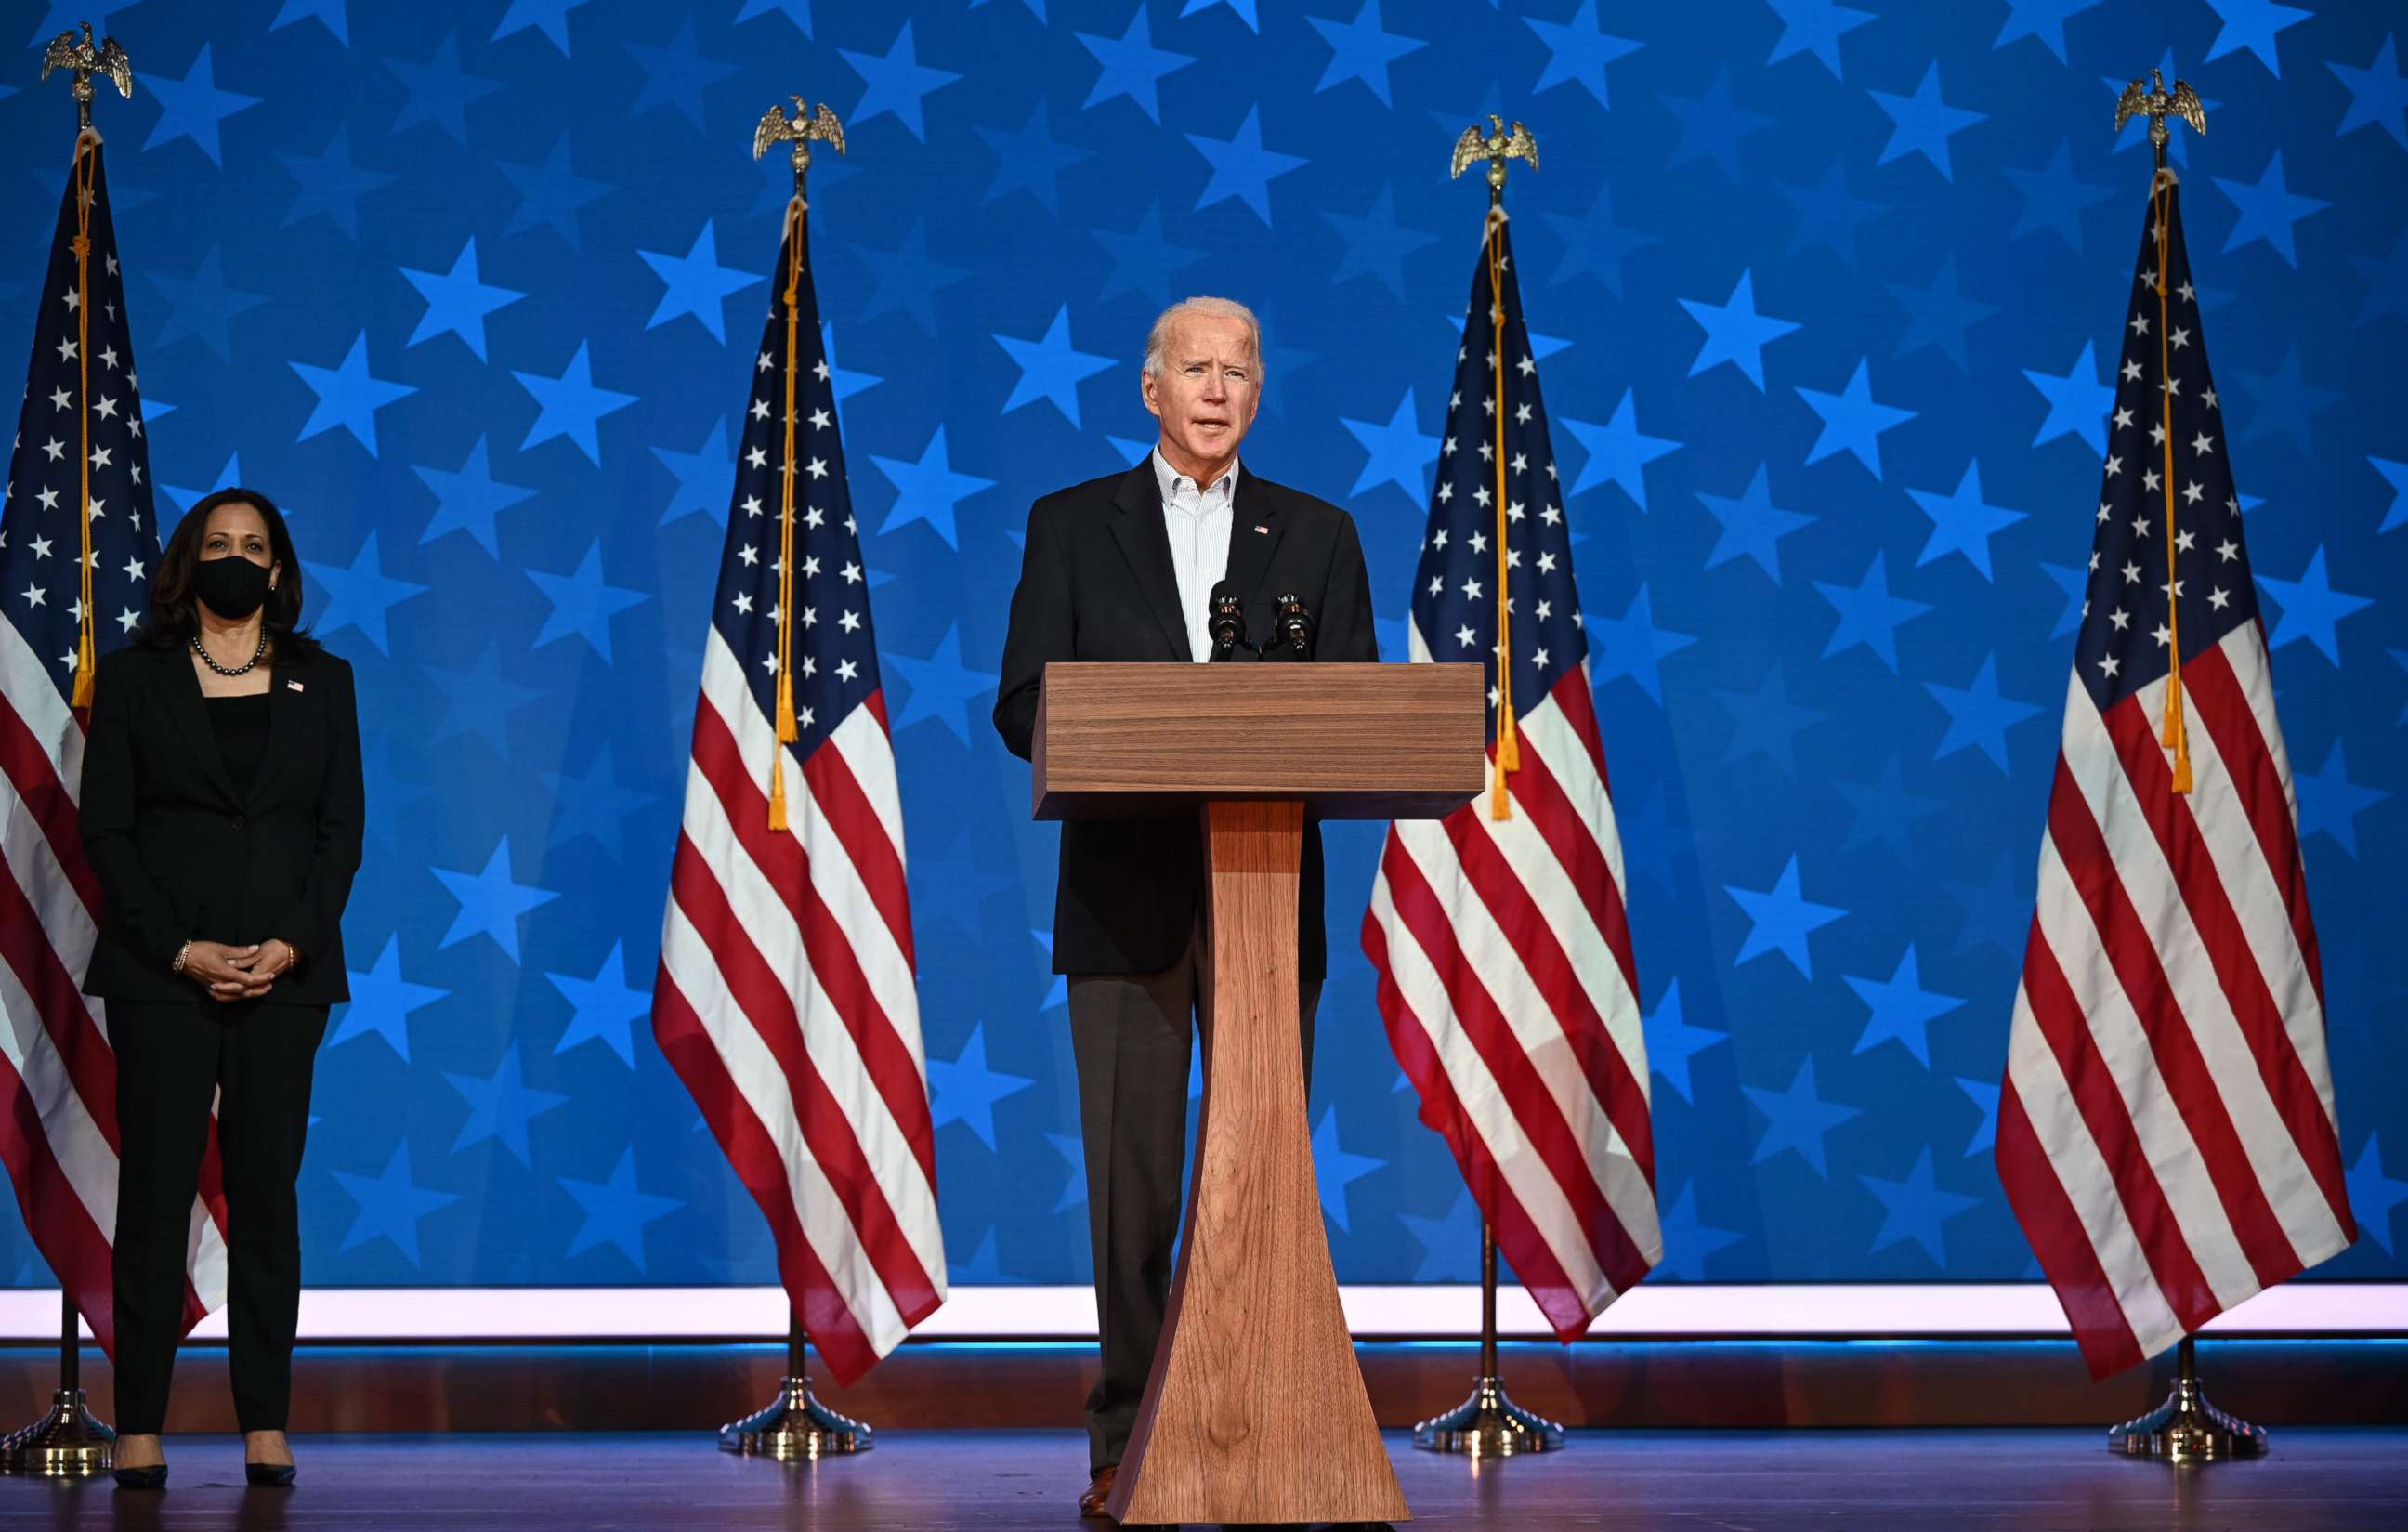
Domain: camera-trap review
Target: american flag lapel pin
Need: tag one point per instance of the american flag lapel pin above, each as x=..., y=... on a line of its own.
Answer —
x=1264, y=530
x=295, y=686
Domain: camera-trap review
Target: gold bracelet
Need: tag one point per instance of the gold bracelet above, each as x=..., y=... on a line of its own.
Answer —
x=181, y=953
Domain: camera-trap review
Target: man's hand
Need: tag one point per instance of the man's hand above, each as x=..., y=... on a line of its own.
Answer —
x=222, y=970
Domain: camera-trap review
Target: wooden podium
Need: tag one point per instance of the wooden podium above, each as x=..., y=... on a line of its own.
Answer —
x=1256, y=1409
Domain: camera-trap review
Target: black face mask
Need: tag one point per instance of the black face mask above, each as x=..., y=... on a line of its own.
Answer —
x=232, y=587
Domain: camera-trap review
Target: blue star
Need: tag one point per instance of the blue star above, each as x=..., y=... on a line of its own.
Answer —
x=457, y=300
x=928, y=490
x=604, y=1007
x=1050, y=368
x=1984, y=1093
x=2078, y=402
x=844, y=383
x=1688, y=1240
x=479, y=699
x=329, y=12
x=331, y=185
x=1924, y=122
x=593, y=803
x=2253, y=24
x=581, y=604
x=1074, y=1154
x=2266, y=211
x=1031, y=159
x=706, y=476
x=696, y=283
x=616, y=1210
x=392, y=798
x=490, y=901
x=1751, y=524
x=2285, y=402
x=391, y=1203
x=359, y=594
x=2377, y=93
x=1712, y=126
x=1243, y=9
x=500, y=1105
x=1360, y=49
x=1242, y=168
x=1595, y=244
x=1671, y=1041
x=1578, y=50
x=2372, y=1195
x=2396, y=475
x=893, y=83
x=1781, y=919
x=1402, y=453
x=1939, y=315
x=1618, y=451
x=228, y=477
x=1961, y=523
x=1450, y=1244
x=907, y=278
x=440, y=91
x=1886, y=810
x=1735, y=331
x=1766, y=723
x=2055, y=198
x=942, y=686
x=202, y=305
x=1797, y=1119
x=1632, y=645
x=570, y=406
x=2330, y=802
x=1131, y=66
x=2041, y=19
x=1998, y=910
x=1852, y=421
x=1142, y=260
x=1334, y=1169
x=965, y=1090
x=1915, y=1209
x=469, y=500
x=2311, y=608
x=550, y=17
x=2073, y=583
x=551, y=193
x=1829, y=214
x=347, y=396
x=1814, y=26
x=381, y=1001
x=796, y=11
x=1978, y=715
x=192, y=108
x=1376, y=244
x=1901, y=1008
x=678, y=76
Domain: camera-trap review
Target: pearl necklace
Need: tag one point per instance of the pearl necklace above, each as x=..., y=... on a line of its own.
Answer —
x=242, y=669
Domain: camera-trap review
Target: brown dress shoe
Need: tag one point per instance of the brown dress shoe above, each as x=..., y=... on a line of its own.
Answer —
x=1092, y=1502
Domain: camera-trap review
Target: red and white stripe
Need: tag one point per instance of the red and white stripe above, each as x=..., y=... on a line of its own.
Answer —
x=58, y=1075
x=1507, y=984
x=786, y=1001
x=2166, y=1133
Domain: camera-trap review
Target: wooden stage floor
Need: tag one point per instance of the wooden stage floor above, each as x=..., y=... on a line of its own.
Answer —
x=2318, y=1480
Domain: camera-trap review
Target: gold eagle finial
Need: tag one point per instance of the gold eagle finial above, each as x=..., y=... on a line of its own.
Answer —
x=1496, y=146
x=2150, y=99
x=84, y=59
x=775, y=127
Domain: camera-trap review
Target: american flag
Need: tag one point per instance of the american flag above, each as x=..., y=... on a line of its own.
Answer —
x=786, y=999
x=2165, y=1129
x=1501, y=944
x=78, y=443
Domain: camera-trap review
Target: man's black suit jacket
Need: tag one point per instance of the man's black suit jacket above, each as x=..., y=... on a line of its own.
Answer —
x=182, y=856
x=1097, y=584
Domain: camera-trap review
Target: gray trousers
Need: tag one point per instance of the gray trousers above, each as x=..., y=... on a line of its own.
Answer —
x=1132, y=1036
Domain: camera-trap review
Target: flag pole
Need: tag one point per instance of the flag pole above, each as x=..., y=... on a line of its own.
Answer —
x=2185, y=1428
x=1489, y=1423
x=793, y=1426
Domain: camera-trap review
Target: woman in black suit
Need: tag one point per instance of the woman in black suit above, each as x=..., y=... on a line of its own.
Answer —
x=222, y=812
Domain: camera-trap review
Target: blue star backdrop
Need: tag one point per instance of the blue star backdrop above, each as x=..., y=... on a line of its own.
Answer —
x=1823, y=297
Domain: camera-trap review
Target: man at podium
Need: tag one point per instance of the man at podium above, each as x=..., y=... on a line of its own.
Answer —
x=1129, y=568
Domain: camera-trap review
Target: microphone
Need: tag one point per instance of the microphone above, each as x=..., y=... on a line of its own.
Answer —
x=1226, y=620
x=1292, y=628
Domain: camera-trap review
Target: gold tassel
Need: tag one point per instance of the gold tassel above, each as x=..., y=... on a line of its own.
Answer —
x=85, y=665
x=778, y=792
x=87, y=654
x=1508, y=740
x=787, y=733
x=2176, y=736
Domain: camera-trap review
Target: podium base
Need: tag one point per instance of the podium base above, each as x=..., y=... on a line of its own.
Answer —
x=69, y=1442
x=795, y=1427
x=2187, y=1429
x=1488, y=1424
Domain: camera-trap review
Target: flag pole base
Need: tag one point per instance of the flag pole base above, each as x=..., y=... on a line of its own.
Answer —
x=2186, y=1428
x=68, y=1443
x=1488, y=1424
x=795, y=1427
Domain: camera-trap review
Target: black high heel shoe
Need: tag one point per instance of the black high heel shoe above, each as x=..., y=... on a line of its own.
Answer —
x=153, y=1477
x=269, y=1475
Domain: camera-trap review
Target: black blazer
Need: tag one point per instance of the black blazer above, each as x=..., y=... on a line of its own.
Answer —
x=182, y=856
x=1097, y=583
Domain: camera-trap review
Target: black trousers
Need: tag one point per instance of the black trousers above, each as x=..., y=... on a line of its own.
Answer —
x=1132, y=1036
x=254, y=1061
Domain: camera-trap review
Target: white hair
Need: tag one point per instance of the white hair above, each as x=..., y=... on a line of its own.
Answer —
x=1158, y=340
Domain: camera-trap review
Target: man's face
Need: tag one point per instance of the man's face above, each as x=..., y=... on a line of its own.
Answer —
x=1209, y=387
